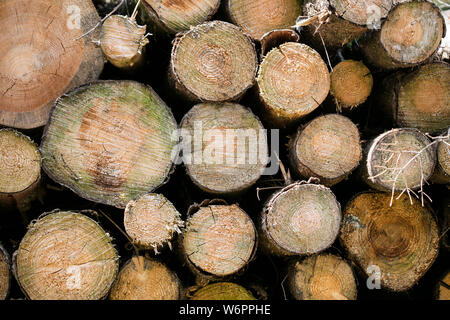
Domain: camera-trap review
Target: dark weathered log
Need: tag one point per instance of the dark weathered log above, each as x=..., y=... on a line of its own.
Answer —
x=300, y=219
x=322, y=277
x=400, y=241
x=110, y=141
x=144, y=279
x=43, y=56
x=66, y=256
x=214, y=61
x=328, y=148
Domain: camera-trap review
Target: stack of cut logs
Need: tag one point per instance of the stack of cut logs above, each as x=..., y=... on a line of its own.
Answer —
x=137, y=150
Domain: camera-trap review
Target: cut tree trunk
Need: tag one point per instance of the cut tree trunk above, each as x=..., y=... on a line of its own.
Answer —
x=173, y=16
x=144, y=279
x=332, y=24
x=151, y=221
x=219, y=241
x=443, y=288
x=110, y=141
x=293, y=81
x=322, y=277
x=44, y=60
x=122, y=41
x=399, y=160
x=213, y=61
x=66, y=256
x=351, y=84
x=5, y=275
x=300, y=219
x=20, y=171
x=401, y=240
x=222, y=291
x=328, y=148
x=442, y=172
x=257, y=17
x=224, y=147
x=418, y=99
x=411, y=33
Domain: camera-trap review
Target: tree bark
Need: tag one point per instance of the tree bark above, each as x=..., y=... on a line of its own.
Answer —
x=46, y=58
x=66, y=256
x=401, y=240
x=110, y=142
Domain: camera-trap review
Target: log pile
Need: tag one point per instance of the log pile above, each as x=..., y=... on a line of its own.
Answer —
x=224, y=150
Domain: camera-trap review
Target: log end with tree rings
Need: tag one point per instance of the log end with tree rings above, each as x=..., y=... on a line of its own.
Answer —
x=110, y=141
x=224, y=147
x=362, y=13
x=4, y=273
x=20, y=170
x=122, y=41
x=443, y=287
x=180, y=15
x=275, y=38
x=214, y=61
x=293, y=81
x=423, y=98
x=301, y=219
x=41, y=56
x=145, y=279
x=222, y=291
x=399, y=160
x=411, y=33
x=66, y=256
x=151, y=221
x=258, y=17
x=328, y=148
x=219, y=240
x=394, y=245
x=322, y=277
x=351, y=84
x=325, y=29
